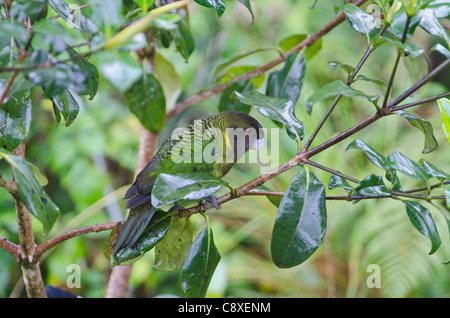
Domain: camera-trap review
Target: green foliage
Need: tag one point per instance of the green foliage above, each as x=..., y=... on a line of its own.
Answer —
x=86, y=64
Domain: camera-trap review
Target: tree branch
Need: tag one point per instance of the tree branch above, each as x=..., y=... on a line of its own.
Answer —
x=259, y=70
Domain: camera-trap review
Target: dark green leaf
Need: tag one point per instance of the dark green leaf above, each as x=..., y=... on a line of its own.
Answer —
x=372, y=185
x=15, y=120
x=217, y=5
x=444, y=106
x=375, y=157
x=170, y=188
x=339, y=182
x=379, y=82
x=432, y=171
x=412, y=169
x=153, y=234
x=421, y=218
x=301, y=221
x=75, y=20
x=228, y=101
x=409, y=49
x=347, y=68
x=426, y=128
x=360, y=20
x=171, y=252
x=147, y=101
x=398, y=24
x=184, y=39
x=278, y=109
x=66, y=105
x=336, y=88
x=288, y=82
x=31, y=193
x=430, y=23
x=35, y=9
x=248, y=5
x=441, y=49
x=199, y=265
x=85, y=72
x=119, y=68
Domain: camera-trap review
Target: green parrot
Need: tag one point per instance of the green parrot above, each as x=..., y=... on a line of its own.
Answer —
x=231, y=133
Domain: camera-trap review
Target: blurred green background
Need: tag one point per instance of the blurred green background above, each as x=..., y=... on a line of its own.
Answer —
x=97, y=155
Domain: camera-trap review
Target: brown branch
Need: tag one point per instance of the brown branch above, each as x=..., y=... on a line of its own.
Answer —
x=44, y=247
x=259, y=70
x=11, y=248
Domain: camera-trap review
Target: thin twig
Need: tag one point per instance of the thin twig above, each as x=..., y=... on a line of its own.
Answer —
x=419, y=102
x=258, y=70
x=337, y=173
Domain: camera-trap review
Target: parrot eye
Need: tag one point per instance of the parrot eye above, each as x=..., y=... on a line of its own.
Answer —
x=248, y=130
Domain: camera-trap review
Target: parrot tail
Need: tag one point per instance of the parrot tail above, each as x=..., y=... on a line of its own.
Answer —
x=134, y=226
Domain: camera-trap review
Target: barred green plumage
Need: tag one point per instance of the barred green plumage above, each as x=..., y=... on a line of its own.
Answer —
x=224, y=130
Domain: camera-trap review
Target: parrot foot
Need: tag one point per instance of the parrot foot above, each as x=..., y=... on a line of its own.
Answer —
x=213, y=201
x=176, y=207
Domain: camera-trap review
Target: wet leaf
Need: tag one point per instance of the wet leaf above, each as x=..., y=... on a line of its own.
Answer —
x=425, y=127
x=444, y=106
x=66, y=105
x=78, y=20
x=147, y=101
x=229, y=101
x=30, y=191
x=372, y=185
x=15, y=120
x=432, y=171
x=339, y=182
x=171, y=252
x=184, y=39
x=199, y=265
x=288, y=82
x=170, y=188
x=421, y=218
x=278, y=109
x=88, y=73
x=300, y=225
x=360, y=20
x=217, y=5
x=412, y=169
x=333, y=89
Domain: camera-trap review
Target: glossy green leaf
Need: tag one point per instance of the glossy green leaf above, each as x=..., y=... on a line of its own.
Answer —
x=66, y=105
x=412, y=169
x=425, y=127
x=147, y=101
x=300, y=224
x=278, y=109
x=347, y=68
x=78, y=20
x=153, y=234
x=432, y=171
x=333, y=89
x=35, y=9
x=441, y=49
x=119, y=68
x=170, y=188
x=430, y=23
x=53, y=80
x=382, y=84
x=288, y=82
x=184, y=39
x=199, y=265
x=171, y=252
x=217, y=5
x=229, y=101
x=372, y=185
x=87, y=73
x=421, y=218
x=30, y=191
x=409, y=49
x=15, y=120
x=375, y=157
x=248, y=5
x=339, y=182
x=447, y=195
x=360, y=20
x=398, y=23
x=444, y=107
